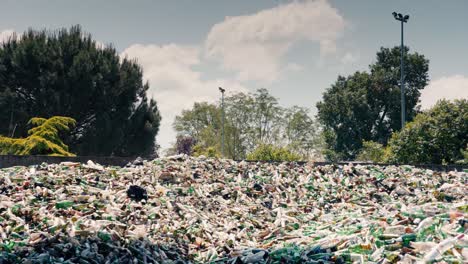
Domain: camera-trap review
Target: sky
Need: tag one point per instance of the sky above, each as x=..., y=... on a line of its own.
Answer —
x=295, y=49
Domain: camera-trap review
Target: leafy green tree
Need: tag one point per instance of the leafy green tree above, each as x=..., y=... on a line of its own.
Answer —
x=266, y=152
x=345, y=114
x=240, y=134
x=302, y=133
x=464, y=155
x=266, y=114
x=372, y=151
x=436, y=136
x=202, y=123
x=43, y=138
x=251, y=119
x=366, y=106
x=66, y=73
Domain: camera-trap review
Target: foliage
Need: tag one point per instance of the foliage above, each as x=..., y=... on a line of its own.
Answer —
x=202, y=123
x=301, y=133
x=331, y=156
x=372, y=151
x=268, y=152
x=43, y=138
x=465, y=156
x=328, y=137
x=65, y=72
x=184, y=145
x=211, y=152
x=250, y=120
x=366, y=106
x=266, y=119
x=436, y=136
x=240, y=135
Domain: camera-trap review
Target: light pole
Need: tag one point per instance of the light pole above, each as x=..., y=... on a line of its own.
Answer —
x=402, y=19
x=222, y=120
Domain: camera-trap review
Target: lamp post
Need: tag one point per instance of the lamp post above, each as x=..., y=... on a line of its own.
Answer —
x=222, y=120
x=402, y=19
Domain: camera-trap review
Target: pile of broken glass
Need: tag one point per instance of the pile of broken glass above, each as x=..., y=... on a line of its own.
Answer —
x=183, y=209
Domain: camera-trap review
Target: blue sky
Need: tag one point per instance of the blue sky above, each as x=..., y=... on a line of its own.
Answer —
x=296, y=49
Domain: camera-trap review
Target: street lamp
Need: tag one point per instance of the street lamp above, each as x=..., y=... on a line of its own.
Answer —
x=222, y=120
x=402, y=19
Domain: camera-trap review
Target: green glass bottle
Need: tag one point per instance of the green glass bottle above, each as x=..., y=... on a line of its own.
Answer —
x=64, y=204
x=407, y=238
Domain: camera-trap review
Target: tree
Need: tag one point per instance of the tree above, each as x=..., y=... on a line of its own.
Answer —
x=465, y=156
x=266, y=112
x=438, y=136
x=43, y=138
x=210, y=152
x=184, y=145
x=346, y=115
x=366, y=106
x=67, y=73
x=252, y=119
x=266, y=152
x=302, y=133
x=372, y=151
x=202, y=123
x=240, y=136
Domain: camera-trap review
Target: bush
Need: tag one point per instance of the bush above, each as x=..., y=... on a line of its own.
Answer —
x=268, y=152
x=437, y=136
x=185, y=144
x=372, y=151
x=331, y=155
x=465, y=156
x=211, y=152
x=43, y=138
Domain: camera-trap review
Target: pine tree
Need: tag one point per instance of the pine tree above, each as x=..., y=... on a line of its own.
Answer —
x=66, y=73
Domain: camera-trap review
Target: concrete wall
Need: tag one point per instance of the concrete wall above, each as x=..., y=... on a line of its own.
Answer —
x=15, y=160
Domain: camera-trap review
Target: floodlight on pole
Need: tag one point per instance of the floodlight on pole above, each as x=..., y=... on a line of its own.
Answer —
x=222, y=120
x=402, y=19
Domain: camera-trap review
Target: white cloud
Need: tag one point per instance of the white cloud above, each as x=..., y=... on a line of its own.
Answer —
x=174, y=84
x=294, y=67
x=6, y=34
x=253, y=45
x=451, y=87
x=349, y=58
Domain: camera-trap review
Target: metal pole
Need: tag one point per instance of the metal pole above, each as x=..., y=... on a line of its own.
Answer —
x=402, y=19
x=222, y=120
x=222, y=129
x=402, y=80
